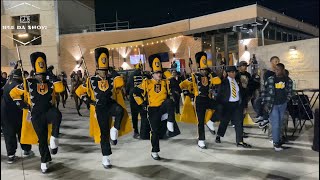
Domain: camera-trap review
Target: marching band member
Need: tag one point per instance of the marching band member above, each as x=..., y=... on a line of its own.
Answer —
x=102, y=91
x=37, y=96
x=201, y=82
x=154, y=93
x=135, y=80
x=11, y=117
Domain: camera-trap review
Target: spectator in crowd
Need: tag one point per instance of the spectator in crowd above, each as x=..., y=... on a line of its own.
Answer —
x=277, y=93
x=263, y=120
x=274, y=60
x=245, y=79
x=4, y=75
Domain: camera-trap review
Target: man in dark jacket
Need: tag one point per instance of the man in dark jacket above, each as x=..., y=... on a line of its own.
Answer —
x=230, y=96
x=277, y=93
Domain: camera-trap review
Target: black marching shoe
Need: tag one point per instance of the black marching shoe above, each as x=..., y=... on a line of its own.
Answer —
x=263, y=124
x=213, y=132
x=245, y=135
x=114, y=142
x=244, y=145
x=27, y=154
x=54, y=151
x=79, y=113
x=218, y=139
x=136, y=135
x=11, y=159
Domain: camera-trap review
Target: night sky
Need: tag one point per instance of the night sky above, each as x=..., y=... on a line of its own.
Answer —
x=142, y=14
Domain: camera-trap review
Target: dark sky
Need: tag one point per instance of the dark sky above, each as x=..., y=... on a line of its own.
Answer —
x=142, y=14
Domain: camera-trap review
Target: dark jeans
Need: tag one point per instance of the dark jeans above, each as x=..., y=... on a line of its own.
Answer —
x=11, y=121
x=202, y=104
x=232, y=111
x=155, y=114
x=104, y=114
x=40, y=124
x=258, y=108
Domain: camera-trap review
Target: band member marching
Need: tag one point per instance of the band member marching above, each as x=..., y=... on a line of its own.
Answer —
x=175, y=88
x=204, y=105
x=155, y=94
x=37, y=95
x=11, y=117
x=99, y=91
x=135, y=80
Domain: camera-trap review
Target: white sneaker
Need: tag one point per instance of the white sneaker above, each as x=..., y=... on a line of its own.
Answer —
x=277, y=149
x=210, y=125
x=113, y=133
x=201, y=144
x=155, y=156
x=54, y=145
x=106, y=162
x=170, y=126
x=44, y=167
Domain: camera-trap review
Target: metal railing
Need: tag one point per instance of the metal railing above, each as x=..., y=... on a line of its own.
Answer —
x=96, y=27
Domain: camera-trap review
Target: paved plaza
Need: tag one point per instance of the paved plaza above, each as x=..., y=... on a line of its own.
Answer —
x=80, y=159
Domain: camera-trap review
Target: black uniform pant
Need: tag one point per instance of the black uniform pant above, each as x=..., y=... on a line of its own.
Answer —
x=104, y=114
x=64, y=96
x=40, y=121
x=176, y=98
x=135, y=110
x=145, y=125
x=155, y=114
x=232, y=111
x=11, y=120
x=202, y=104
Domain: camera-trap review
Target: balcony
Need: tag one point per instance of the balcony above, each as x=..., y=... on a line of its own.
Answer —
x=120, y=25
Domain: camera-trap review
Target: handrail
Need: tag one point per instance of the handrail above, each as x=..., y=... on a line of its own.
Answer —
x=95, y=27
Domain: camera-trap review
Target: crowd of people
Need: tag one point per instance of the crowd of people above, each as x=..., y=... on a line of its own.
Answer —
x=208, y=96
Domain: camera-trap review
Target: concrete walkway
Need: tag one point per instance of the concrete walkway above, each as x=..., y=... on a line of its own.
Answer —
x=80, y=159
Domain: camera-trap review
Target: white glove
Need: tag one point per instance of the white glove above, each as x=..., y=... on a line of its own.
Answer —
x=164, y=116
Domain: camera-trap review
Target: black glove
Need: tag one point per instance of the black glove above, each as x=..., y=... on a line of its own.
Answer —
x=23, y=105
x=185, y=92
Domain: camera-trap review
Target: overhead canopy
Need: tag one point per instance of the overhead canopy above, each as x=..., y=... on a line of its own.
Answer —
x=144, y=42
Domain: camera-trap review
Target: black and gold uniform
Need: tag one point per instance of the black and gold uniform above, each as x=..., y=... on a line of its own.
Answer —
x=188, y=114
x=100, y=90
x=135, y=80
x=201, y=82
x=155, y=94
x=175, y=80
x=37, y=95
x=11, y=117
